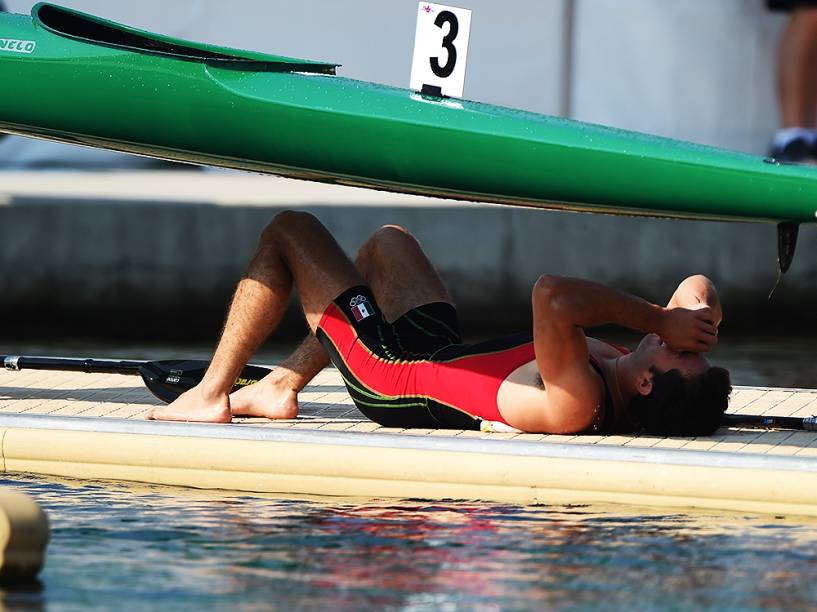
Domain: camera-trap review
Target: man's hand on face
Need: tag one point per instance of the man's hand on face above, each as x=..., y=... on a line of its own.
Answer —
x=688, y=330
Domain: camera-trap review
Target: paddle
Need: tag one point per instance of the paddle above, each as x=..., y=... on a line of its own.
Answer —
x=166, y=379
x=770, y=422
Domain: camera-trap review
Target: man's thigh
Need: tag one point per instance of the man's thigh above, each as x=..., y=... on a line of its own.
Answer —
x=303, y=248
x=399, y=273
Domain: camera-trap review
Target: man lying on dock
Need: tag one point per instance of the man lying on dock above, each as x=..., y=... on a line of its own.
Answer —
x=388, y=323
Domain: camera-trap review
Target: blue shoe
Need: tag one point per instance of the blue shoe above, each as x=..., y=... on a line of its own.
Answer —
x=796, y=151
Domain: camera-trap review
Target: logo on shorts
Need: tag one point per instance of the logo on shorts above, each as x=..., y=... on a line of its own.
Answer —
x=361, y=309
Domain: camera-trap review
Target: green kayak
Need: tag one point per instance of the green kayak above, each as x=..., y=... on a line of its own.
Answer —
x=73, y=77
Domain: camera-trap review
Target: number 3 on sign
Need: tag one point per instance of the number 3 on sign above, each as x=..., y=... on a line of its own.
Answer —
x=440, y=49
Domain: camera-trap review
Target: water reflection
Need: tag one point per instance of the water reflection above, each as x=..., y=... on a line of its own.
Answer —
x=120, y=546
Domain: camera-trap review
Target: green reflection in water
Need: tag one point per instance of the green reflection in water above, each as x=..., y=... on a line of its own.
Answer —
x=134, y=546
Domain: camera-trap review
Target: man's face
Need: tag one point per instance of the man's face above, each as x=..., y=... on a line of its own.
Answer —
x=654, y=353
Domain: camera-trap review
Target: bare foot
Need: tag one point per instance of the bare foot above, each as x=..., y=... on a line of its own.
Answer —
x=270, y=397
x=193, y=406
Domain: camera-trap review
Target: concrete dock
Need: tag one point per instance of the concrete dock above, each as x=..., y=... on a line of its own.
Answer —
x=92, y=426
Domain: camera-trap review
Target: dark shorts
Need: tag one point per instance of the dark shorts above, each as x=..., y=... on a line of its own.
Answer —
x=788, y=5
x=371, y=352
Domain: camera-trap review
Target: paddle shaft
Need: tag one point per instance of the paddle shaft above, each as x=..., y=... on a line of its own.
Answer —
x=65, y=364
x=770, y=422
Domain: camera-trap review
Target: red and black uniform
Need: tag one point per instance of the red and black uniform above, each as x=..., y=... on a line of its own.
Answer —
x=416, y=371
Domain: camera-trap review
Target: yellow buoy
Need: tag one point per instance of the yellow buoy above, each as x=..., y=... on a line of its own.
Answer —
x=23, y=537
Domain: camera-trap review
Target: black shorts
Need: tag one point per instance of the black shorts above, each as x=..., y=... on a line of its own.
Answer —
x=788, y=5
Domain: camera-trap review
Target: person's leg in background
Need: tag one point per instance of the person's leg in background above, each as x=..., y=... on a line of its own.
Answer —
x=796, y=141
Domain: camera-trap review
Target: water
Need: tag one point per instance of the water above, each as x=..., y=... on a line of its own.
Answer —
x=141, y=547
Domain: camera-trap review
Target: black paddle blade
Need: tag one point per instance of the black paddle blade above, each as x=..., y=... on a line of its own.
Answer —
x=168, y=379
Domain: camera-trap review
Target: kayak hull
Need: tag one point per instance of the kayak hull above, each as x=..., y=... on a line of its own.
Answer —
x=300, y=121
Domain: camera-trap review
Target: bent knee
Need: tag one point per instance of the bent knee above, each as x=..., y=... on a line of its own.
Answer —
x=390, y=235
x=385, y=240
x=286, y=223
x=289, y=219
x=393, y=230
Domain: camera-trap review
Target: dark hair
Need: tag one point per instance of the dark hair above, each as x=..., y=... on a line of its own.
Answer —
x=680, y=406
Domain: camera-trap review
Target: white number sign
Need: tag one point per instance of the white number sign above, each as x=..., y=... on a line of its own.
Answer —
x=440, y=49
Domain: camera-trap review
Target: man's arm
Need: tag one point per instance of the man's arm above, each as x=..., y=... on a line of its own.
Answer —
x=697, y=292
x=561, y=308
x=575, y=302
